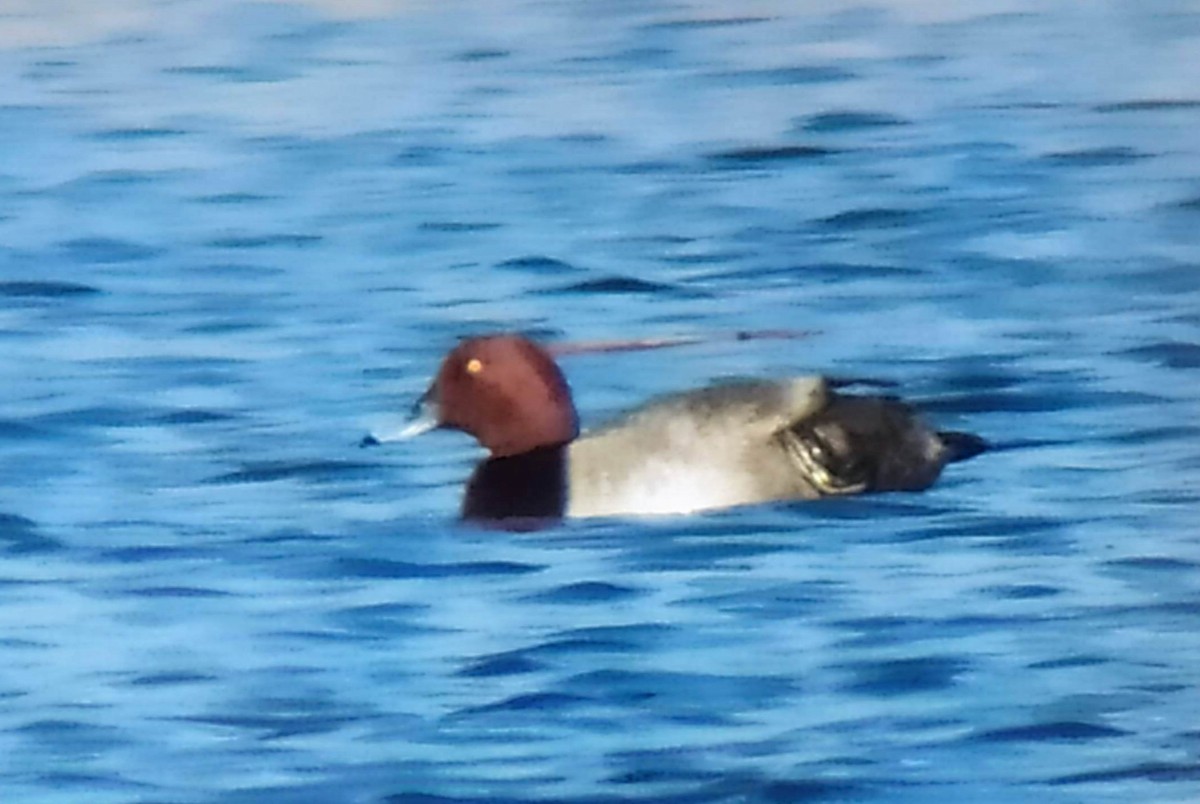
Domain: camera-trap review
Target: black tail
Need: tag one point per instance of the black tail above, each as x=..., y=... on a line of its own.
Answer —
x=961, y=446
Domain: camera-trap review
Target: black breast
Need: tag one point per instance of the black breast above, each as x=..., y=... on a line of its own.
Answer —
x=530, y=486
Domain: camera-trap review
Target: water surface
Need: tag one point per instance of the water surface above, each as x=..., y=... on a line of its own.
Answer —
x=235, y=235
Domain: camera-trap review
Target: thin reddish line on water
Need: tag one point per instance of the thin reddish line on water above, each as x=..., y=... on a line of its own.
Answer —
x=596, y=347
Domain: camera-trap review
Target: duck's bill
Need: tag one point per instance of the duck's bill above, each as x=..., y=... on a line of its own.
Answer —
x=424, y=417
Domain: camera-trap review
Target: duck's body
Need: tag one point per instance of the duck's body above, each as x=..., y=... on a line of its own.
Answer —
x=717, y=447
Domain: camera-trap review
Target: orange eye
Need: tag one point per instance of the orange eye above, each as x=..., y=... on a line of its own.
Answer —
x=474, y=365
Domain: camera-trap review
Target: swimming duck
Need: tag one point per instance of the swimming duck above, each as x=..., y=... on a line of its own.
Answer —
x=725, y=445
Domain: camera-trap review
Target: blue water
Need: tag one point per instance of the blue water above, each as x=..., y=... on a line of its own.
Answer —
x=234, y=236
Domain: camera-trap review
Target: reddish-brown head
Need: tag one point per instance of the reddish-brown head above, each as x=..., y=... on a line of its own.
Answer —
x=507, y=392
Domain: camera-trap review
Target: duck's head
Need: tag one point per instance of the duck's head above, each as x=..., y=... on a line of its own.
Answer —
x=504, y=390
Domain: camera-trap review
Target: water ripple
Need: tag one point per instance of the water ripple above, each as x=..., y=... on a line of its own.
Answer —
x=317, y=471
x=851, y=121
x=1149, y=771
x=387, y=568
x=905, y=676
x=619, y=285
x=21, y=536
x=46, y=290
x=1169, y=354
x=1096, y=157
x=1058, y=730
x=585, y=592
x=766, y=154
x=104, y=250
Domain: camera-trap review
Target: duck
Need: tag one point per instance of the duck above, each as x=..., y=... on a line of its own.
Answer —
x=729, y=444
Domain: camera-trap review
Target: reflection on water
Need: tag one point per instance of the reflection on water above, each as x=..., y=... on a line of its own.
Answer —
x=232, y=234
